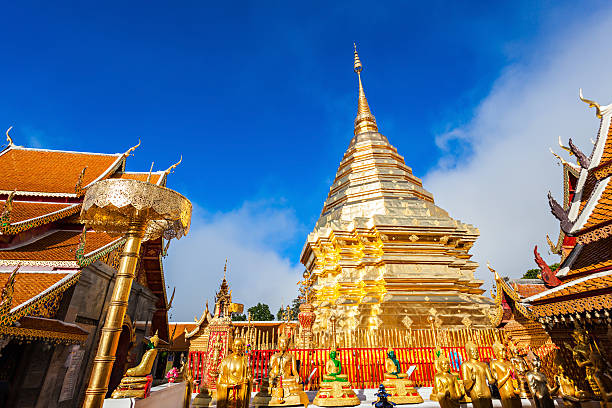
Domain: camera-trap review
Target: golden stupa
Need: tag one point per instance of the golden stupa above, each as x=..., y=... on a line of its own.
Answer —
x=382, y=253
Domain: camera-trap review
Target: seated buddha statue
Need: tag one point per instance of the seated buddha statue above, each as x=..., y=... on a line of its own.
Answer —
x=335, y=389
x=234, y=381
x=568, y=390
x=400, y=389
x=283, y=386
x=136, y=381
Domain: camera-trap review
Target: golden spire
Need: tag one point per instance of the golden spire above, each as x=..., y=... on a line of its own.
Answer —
x=365, y=121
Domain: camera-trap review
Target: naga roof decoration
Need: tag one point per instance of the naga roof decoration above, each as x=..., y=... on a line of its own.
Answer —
x=84, y=259
x=570, y=178
x=548, y=276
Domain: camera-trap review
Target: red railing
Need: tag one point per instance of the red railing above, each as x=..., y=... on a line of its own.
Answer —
x=364, y=366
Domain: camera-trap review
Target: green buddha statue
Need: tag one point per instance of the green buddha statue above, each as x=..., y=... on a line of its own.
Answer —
x=335, y=389
x=333, y=368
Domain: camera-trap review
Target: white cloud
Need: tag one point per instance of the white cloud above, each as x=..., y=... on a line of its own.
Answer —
x=252, y=238
x=502, y=187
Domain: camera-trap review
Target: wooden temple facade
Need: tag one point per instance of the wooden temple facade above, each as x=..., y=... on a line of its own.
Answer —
x=56, y=279
x=578, y=295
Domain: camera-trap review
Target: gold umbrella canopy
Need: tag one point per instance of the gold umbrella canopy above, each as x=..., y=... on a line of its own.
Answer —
x=111, y=205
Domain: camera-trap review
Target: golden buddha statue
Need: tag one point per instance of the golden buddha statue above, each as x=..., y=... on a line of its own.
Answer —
x=335, y=389
x=520, y=368
x=475, y=375
x=283, y=386
x=538, y=385
x=581, y=353
x=397, y=384
x=234, y=381
x=571, y=394
x=503, y=372
x=447, y=387
x=136, y=381
x=602, y=377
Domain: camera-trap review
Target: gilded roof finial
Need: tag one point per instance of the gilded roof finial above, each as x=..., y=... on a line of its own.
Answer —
x=592, y=104
x=365, y=121
x=131, y=149
x=225, y=269
x=169, y=169
x=9, y=139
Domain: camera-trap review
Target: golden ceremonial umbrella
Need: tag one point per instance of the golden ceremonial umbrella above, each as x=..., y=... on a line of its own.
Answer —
x=140, y=211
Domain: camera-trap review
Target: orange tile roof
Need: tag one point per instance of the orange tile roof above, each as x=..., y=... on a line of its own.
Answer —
x=607, y=153
x=584, y=304
x=30, y=284
x=527, y=289
x=603, y=209
x=57, y=246
x=592, y=256
x=177, y=335
x=578, y=287
x=50, y=171
x=27, y=210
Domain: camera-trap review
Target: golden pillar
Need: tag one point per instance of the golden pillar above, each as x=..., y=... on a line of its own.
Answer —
x=140, y=211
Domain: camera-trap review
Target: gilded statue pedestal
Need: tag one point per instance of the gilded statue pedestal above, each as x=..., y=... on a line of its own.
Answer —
x=285, y=395
x=282, y=387
x=335, y=389
x=136, y=383
x=402, y=391
x=336, y=394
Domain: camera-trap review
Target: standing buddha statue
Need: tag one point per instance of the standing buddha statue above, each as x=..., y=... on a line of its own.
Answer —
x=503, y=372
x=538, y=385
x=234, y=381
x=475, y=375
x=283, y=386
x=448, y=391
x=335, y=389
x=397, y=384
x=520, y=368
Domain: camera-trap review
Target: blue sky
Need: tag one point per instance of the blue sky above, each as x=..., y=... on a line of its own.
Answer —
x=259, y=98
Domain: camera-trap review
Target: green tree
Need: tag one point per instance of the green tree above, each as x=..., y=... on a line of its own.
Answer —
x=533, y=273
x=238, y=317
x=260, y=312
x=279, y=314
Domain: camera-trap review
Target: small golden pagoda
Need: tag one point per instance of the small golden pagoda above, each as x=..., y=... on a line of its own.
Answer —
x=382, y=253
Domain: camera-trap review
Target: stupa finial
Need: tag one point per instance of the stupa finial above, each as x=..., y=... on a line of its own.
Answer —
x=365, y=121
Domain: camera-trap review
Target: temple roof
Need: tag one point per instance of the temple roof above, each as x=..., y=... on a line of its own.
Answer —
x=177, y=332
x=588, y=217
x=49, y=330
x=55, y=248
x=41, y=172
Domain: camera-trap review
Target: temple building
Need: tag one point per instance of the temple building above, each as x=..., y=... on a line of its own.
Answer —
x=382, y=253
x=57, y=279
x=578, y=295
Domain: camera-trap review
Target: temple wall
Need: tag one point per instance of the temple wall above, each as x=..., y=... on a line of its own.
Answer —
x=86, y=307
